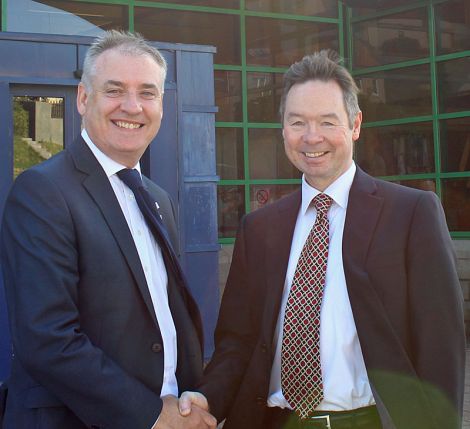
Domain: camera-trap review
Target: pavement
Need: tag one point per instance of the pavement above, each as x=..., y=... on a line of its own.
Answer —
x=466, y=400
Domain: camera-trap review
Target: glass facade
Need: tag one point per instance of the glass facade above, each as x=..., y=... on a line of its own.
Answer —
x=410, y=58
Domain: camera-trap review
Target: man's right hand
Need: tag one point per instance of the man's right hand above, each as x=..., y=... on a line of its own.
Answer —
x=170, y=417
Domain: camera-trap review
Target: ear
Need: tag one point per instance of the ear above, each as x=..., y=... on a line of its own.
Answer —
x=82, y=98
x=357, y=126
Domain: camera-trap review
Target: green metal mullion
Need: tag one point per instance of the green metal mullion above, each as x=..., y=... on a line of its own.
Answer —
x=435, y=99
x=227, y=67
x=340, y=29
x=264, y=125
x=208, y=9
x=350, y=38
x=226, y=240
x=131, y=16
x=246, y=161
x=229, y=124
x=454, y=115
x=453, y=56
x=399, y=121
x=457, y=175
x=460, y=235
x=265, y=69
x=231, y=182
x=393, y=66
x=276, y=182
x=291, y=17
x=391, y=11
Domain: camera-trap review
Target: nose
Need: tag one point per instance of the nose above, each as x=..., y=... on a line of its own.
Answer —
x=131, y=104
x=312, y=134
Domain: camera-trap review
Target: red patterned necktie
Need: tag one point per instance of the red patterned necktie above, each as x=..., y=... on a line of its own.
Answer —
x=301, y=378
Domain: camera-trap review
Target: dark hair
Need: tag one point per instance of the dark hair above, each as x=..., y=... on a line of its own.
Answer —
x=325, y=66
x=127, y=43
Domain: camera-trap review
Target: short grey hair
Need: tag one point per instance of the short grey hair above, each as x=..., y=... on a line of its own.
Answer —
x=325, y=66
x=126, y=43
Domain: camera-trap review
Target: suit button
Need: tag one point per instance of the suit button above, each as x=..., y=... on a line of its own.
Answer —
x=156, y=347
x=260, y=400
x=264, y=348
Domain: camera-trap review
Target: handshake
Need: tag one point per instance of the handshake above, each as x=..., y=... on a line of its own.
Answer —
x=190, y=411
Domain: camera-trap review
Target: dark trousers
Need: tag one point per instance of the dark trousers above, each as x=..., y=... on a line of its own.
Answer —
x=361, y=418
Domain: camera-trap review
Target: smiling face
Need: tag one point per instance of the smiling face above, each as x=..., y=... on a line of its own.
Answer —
x=122, y=111
x=317, y=137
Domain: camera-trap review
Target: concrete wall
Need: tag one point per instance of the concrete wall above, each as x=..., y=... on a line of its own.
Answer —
x=47, y=128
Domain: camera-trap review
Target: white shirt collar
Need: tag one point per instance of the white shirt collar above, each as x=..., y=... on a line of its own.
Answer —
x=338, y=190
x=110, y=166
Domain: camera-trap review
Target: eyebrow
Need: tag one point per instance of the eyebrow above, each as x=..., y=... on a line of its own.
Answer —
x=120, y=84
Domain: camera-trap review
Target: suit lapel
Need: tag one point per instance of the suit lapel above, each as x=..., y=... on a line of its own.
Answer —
x=277, y=255
x=100, y=190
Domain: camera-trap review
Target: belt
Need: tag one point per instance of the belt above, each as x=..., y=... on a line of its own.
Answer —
x=360, y=418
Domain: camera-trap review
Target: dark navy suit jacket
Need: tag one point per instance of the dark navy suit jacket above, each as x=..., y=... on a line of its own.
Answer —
x=86, y=342
x=405, y=296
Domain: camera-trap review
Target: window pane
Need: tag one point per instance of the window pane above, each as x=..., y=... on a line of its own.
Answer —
x=453, y=26
x=229, y=153
x=261, y=195
x=279, y=43
x=231, y=207
x=391, y=39
x=38, y=130
x=455, y=145
x=178, y=26
x=231, y=4
x=268, y=159
x=264, y=96
x=368, y=7
x=396, y=150
x=228, y=96
x=456, y=201
x=64, y=17
x=423, y=184
x=325, y=8
x=454, y=85
x=395, y=93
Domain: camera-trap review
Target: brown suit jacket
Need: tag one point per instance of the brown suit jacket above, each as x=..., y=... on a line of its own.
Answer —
x=405, y=296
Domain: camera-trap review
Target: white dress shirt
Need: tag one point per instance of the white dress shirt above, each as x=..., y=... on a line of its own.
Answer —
x=152, y=263
x=345, y=381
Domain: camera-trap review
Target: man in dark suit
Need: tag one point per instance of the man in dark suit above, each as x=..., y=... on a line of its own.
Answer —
x=105, y=333
x=379, y=342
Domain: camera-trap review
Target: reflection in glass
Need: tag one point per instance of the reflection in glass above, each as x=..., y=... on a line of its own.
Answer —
x=395, y=93
x=229, y=153
x=228, y=96
x=423, y=184
x=396, y=150
x=455, y=145
x=307, y=8
x=264, y=92
x=261, y=195
x=391, y=39
x=64, y=17
x=268, y=159
x=180, y=26
x=452, y=26
x=231, y=208
x=38, y=130
x=454, y=85
x=279, y=43
x=456, y=201
x=231, y=4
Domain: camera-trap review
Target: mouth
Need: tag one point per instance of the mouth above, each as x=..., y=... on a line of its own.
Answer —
x=128, y=125
x=314, y=154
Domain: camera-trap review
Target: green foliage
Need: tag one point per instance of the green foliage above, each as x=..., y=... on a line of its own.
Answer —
x=20, y=120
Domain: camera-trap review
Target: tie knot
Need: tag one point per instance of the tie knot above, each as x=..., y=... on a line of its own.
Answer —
x=131, y=177
x=322, y=203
